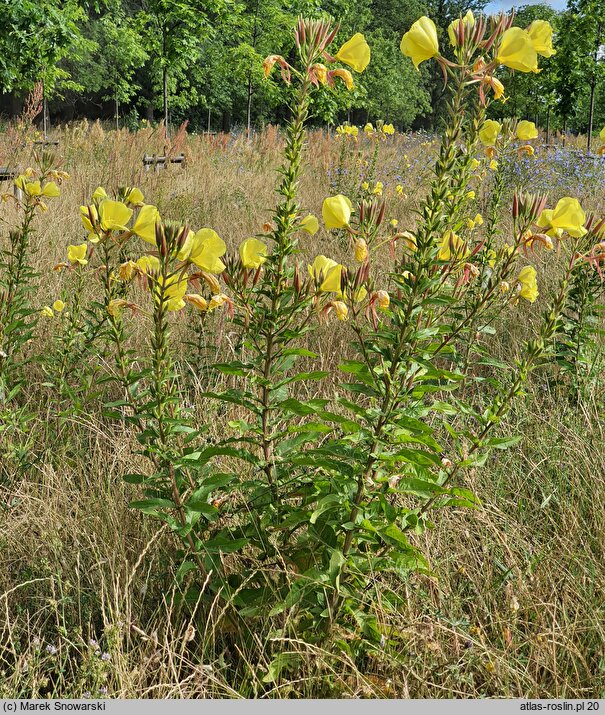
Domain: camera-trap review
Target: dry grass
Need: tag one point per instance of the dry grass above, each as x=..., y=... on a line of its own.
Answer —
x=514, y=607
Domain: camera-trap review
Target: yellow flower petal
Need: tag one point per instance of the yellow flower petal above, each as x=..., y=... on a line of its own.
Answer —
x=355, y=53
x=526, y=130
x=517, y=51
x=204, y=248
x=540, y=32
x=488, y=134
x=310, y=224
x=420, y=43
x=145, y=224
x=253, y=253
x=51, y=189
x=77, y=254
x=336, y=211
x=328, y=271
x=529, y=285
x=114, y=215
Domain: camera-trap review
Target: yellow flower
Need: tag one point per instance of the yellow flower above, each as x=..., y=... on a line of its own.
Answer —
x=336, y=211
x=517, y=51
x=176, y=287
x=497, y=87
x=59, y=306
x=383, y=299
x=204, y=248
x=365, y=186
x=369, y=128
x=540, y=32
x=488, y=134
x=253, y=253
x=114, y=307
x=388, y=129
x=134, y=196
x=340, y=309
x=493, y=164
x=345, y=76
x=470, y=195
x=394, y=222
x=89, y=218
x=99, y=194
x=474, y=164
x=602, y=134
x=468, y=21
x=378, y=188
x=361, y=250
x=567, y=216
x=409, y=240
x=310, y=224
x=399, y=189
x=77, y=254
x=127, y=270
x=529, y=285
x=146, y=221
x=47, y=312
x=149, y=265
x=452, y=246
x=321, y=73
x=420, y=43
x=50, y=189
x=114, y=215
x=328, y=271
x=197, y=300
x=478, y=220
x=355, y=53
x=34, y=188
x=526, y=130
x=217, y=300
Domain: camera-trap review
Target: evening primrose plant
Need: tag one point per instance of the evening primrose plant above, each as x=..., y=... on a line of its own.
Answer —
x=411, y=436
x=34, y=188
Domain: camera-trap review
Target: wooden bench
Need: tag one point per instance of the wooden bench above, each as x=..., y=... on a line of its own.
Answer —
x=7, y=175
x=159, y=162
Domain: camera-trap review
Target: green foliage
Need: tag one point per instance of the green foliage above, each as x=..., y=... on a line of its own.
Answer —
x=34, y=36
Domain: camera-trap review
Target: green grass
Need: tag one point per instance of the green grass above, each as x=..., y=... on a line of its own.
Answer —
x=513, y=606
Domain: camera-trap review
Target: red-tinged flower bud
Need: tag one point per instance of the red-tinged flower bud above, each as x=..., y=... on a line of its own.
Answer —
x=297, y=281
x=515, y=205
x=257, y=275
x=344, y=279
x=362, y=212
x=383, y=206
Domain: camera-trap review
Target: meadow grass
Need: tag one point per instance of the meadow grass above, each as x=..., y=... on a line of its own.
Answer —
x=513, y=606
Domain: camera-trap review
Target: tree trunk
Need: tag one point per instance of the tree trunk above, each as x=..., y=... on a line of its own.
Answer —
x=208, y=130
x=593, y=88
x=44, y=111
x=249, y=102
x=165, y=86
x=117, y=114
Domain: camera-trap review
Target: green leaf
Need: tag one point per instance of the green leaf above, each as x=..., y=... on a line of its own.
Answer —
x=502, y=442
x=419, y=487
x=323, y=505
x=224, y=545
x=281, y=662
x=152, y=505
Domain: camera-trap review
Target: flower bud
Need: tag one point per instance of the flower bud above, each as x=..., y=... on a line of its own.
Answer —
x=382, y=299
x=361, y=250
